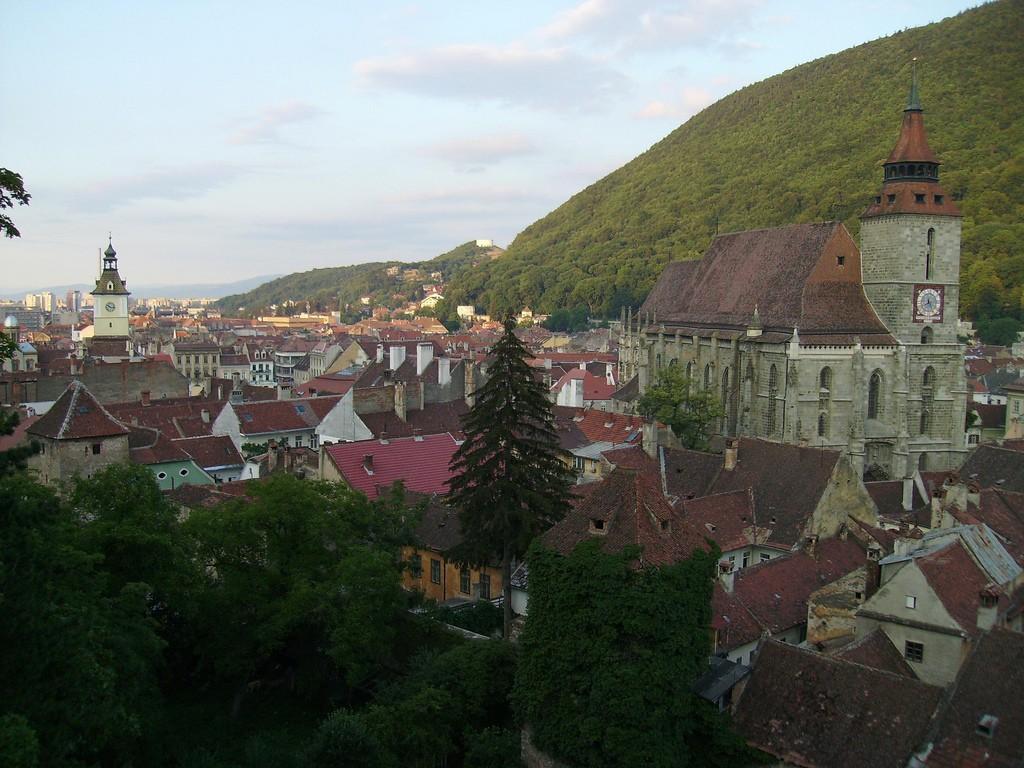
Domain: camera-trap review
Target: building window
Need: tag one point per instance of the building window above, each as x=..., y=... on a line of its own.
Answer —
x=183, y=472
x=161, y=475
x=913, y=651
x=840, y=261
x=875, y=395
x=707, y=376
x=485, y=586
x=926, y=335
x=930, y=252
x=822, y=425
x=578, y=463
x=972, y=439
x=96, y=449
x=911, y=602
x=918, y=197
x=764, y=557
x=464, y=581
x=939, y=199
x=435, y=570
x=416, y=565
x=746, y=559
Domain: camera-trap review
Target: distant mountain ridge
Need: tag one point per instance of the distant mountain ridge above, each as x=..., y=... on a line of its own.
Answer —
x=327, y=287
x=157, y=290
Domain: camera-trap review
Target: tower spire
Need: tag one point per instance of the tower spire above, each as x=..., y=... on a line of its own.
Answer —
x=914, y=98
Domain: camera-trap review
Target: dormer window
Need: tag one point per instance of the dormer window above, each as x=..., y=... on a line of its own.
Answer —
x=918, y=197
x=110, y=286
x=892, y=198
x=840, y=260
x=596, y=525
x=664, y=525
x=987, y=726
x=939, y=199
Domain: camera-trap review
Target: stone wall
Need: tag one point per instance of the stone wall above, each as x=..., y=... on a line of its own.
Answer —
x=62, y=460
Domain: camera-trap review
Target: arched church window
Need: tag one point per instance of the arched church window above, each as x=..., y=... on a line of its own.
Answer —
x=110, y=286
x=726, y=397
x=689, y=369
x=925, y=422
x=822, y=425
x=825, y=378
x=926, y=335
x=707, y=376
x=928, y=377
x=770, y=420
x=875, y=395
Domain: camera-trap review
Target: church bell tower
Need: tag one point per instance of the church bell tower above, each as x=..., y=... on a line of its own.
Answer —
x=910, y=240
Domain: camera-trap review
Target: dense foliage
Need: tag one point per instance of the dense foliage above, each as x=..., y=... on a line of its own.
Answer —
x=342, y=287
x=12, y=192
x=510, y=480
x=608, y=656
x=805, y=145
x=132, y=636
x=677, y=401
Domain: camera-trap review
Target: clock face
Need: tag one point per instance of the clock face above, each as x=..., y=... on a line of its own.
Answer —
x=928, y=301
x=109, y=306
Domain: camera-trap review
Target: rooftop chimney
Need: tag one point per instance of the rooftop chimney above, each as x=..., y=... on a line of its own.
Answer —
x=396, y=357
x=383, y=437
x=401, y=406
x=810, y=544
x=908, y=494
x=368, y=463
x=144, y=395
x=417, y=434
x=444, y=370
x=988, y=607
x=205, y=416
x=380, y=353
x=732, y=454
x=936, y=518
x=424, y=354
x=727, y=573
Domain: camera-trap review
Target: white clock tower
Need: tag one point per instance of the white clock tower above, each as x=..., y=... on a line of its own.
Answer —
x=111, y=330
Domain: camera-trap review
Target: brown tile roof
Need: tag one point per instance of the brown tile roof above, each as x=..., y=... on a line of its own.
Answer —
x=207, y=496
x=439, y=528
x=149, y=446
x=77, y=414
x=211, y=451
x=789, y=273
x=732, y=623
x=776, y=592
x=994, y=467
x=989, y=684
x=876, y=650
x=174, y=417
x=1003, y=512
x=957, y=581
x=729, y=519
x=817, y=711
x=432, y=419
x=633, y=513
x=600, y=426
x=689, y=474
x=674, y=283
x=262, y=417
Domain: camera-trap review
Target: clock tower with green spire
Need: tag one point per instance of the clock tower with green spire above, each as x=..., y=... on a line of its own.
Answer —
x=111, y=330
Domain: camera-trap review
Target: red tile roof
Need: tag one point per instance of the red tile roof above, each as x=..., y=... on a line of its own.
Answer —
x=594, y=387
x=149, y=446
x=632, y=512
x=733, y=624
x=957, y=581
x=421, y=463
x=174, y=417
x=729, y=519
x=812, y=710
x=776, y=592
x=211, y=451
x=266, y=416
x=77, y=414
x=332, y=384
x=600, y=426
x=876, y=650
x=432, y=419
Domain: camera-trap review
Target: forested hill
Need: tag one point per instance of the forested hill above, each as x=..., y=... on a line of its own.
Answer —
x=804, y=145
x=325, y=288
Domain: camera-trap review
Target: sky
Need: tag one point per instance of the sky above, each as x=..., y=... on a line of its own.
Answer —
x=217, y=141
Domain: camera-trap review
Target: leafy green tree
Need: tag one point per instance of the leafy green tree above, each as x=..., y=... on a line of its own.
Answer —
x=302, y=584
x=19, y=745
x=608, y=656
x=12, y=190
x=676, y=400
x=510, y=478
x=78, y=658
x=1002, y=331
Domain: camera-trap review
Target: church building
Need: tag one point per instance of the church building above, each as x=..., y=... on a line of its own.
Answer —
x=111, y=329
x=807, y=339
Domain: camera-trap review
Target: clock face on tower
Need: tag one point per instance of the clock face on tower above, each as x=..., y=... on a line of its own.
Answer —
x=109, y=306
x=928, y=303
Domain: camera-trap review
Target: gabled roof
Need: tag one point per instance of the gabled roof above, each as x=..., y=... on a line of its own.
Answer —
x=211, y=451
x=994, y=467
x=432, y=419
x=729, y=519
x=790, y=274
x=957, y=581
x=76, y=415
x=823, y=712
x=631, y=512
x=420, y=463
x=594, y=387
x=267, y=416
x=876, y=650
x=987, y=686
x=149, y=446
x=1003, y=512
x=601, y=426
x=776, y=592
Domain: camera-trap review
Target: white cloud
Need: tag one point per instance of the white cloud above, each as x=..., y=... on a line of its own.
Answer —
x=174, y=184
x=541, y=78
x=472, y=153
x=631, y=27
x=687, y=102
x=266, y=127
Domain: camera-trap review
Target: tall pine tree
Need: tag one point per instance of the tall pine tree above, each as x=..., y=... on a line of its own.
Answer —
x=510, y=478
